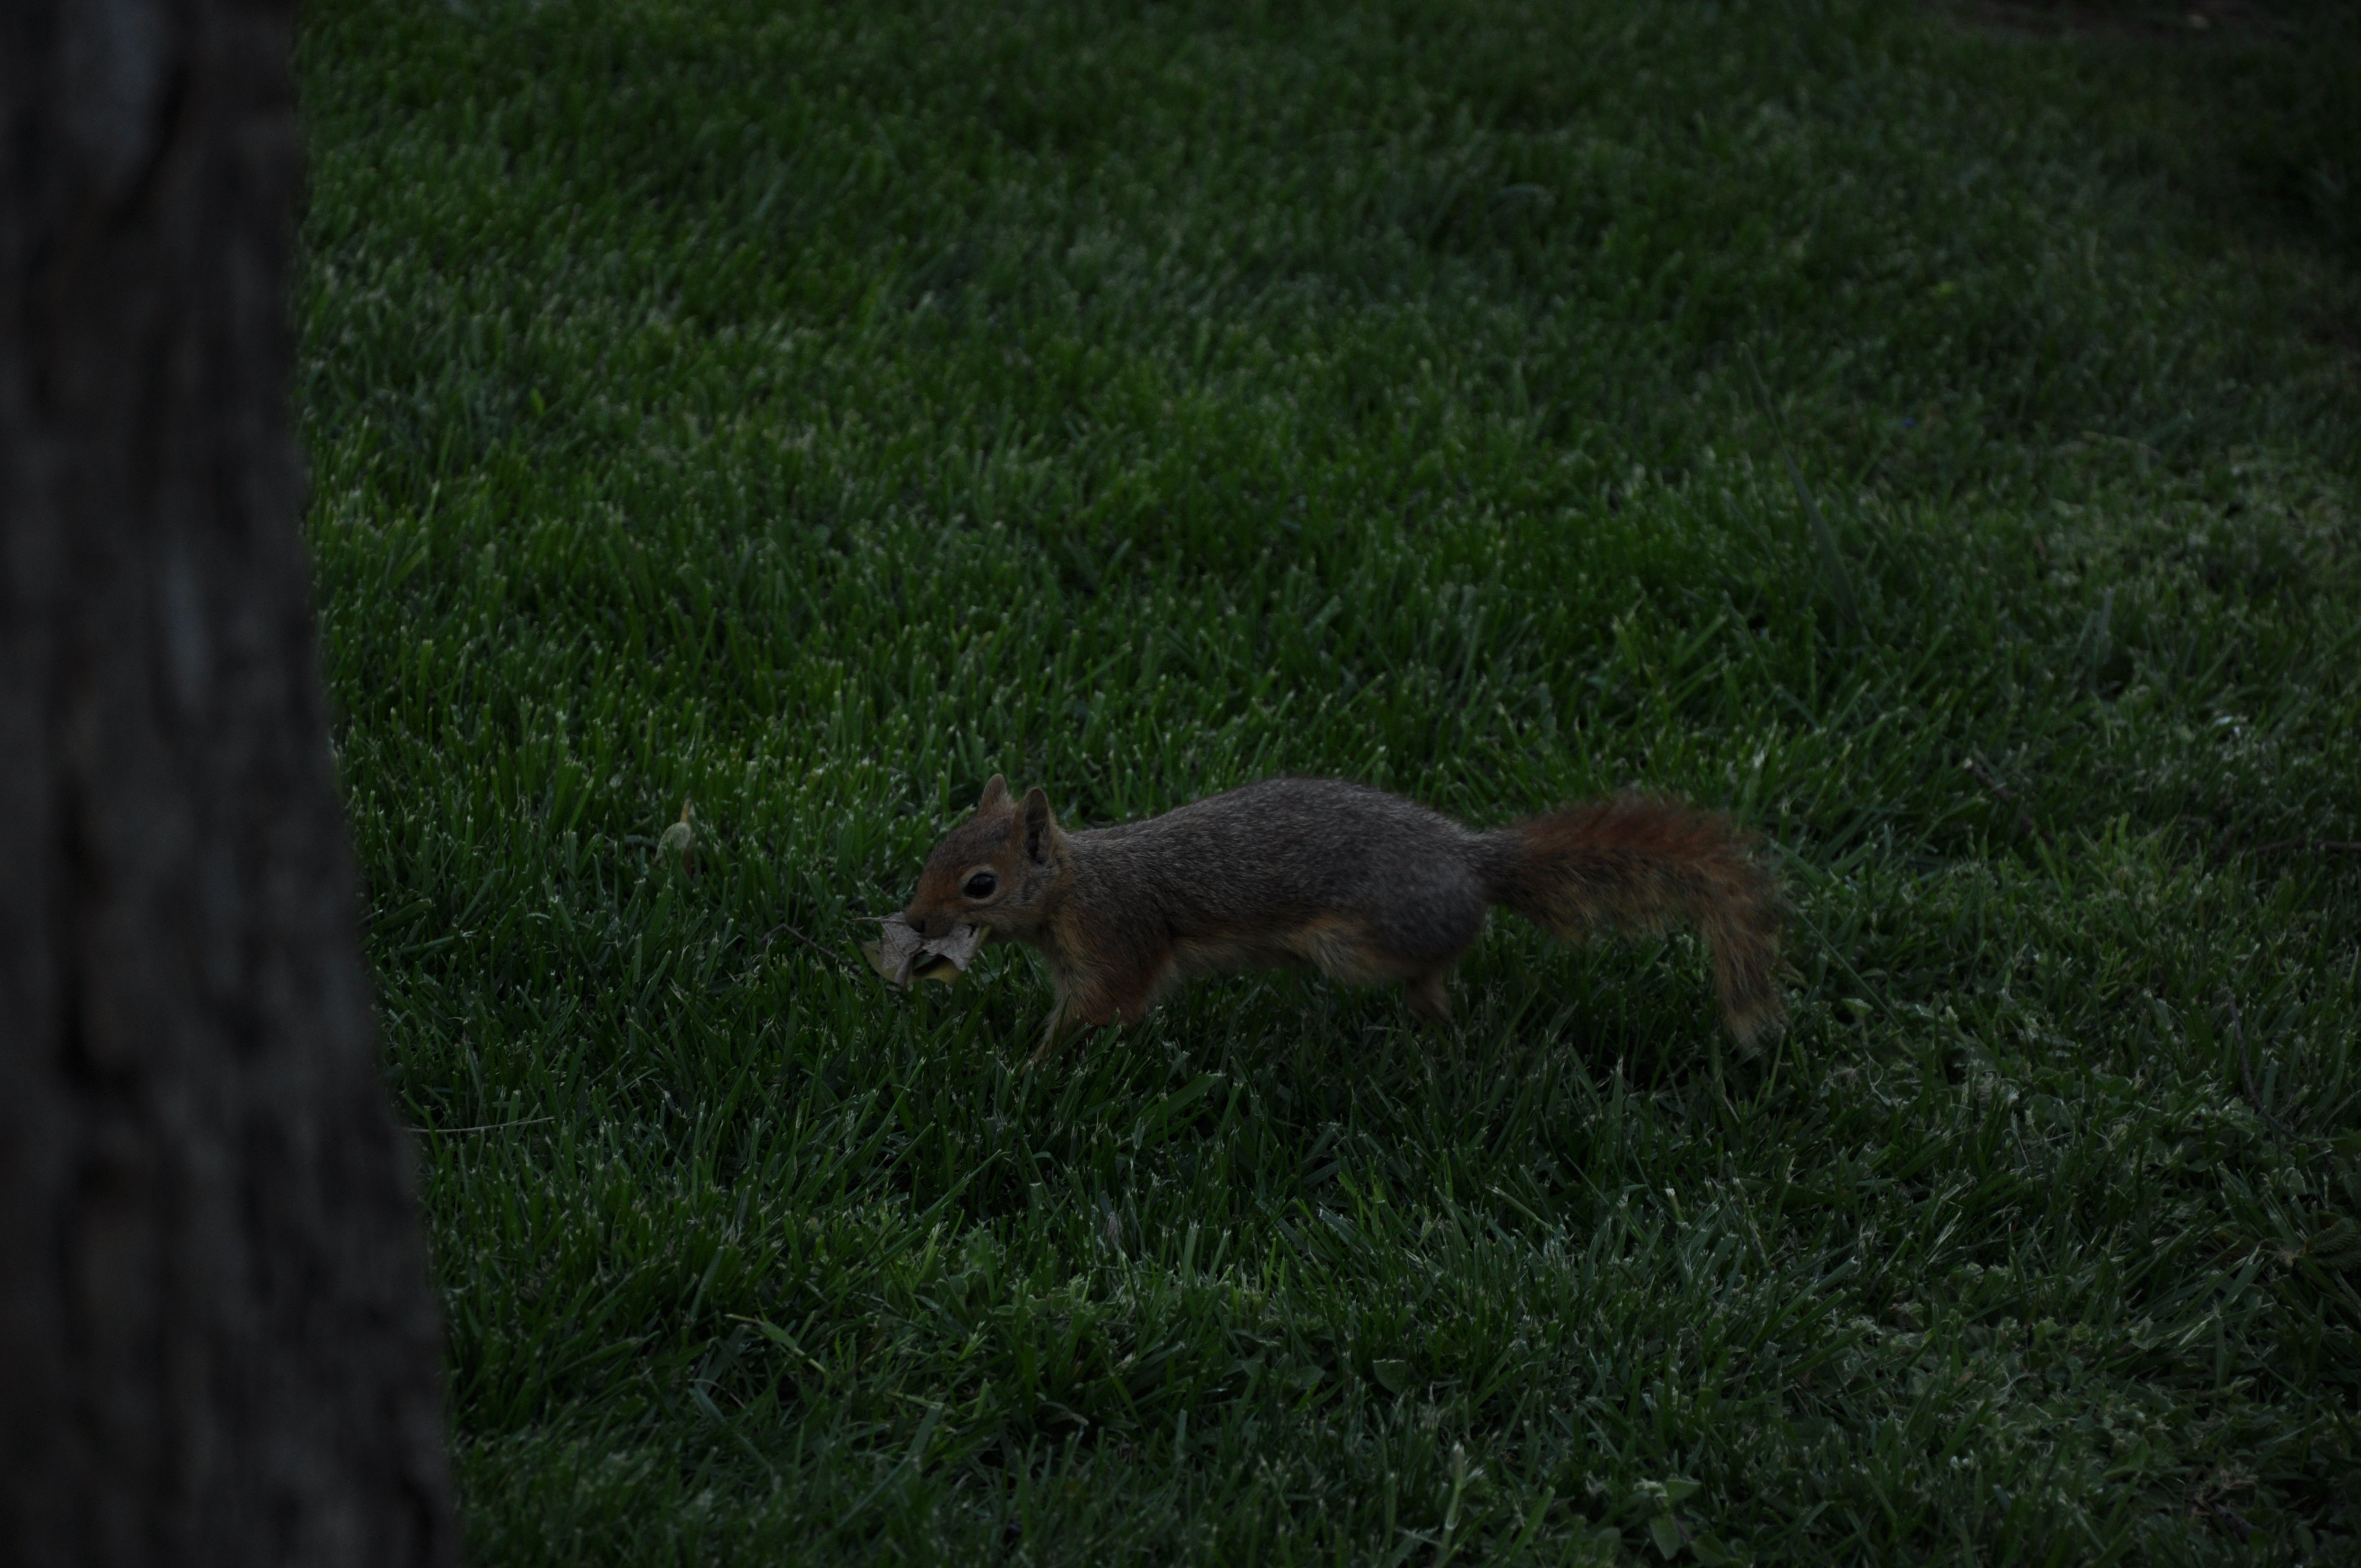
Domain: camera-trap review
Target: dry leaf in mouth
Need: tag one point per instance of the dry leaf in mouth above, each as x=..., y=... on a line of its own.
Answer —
x=902, y=955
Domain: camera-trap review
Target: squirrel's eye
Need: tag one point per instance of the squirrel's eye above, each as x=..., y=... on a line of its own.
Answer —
x=981, y=885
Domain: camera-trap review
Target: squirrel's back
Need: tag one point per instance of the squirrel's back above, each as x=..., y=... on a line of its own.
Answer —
x=1297, y=849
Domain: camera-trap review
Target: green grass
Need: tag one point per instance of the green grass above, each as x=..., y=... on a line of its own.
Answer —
x=1938, y=448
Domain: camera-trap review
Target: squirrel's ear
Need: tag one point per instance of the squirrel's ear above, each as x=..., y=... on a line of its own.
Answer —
x=995, y=794
x=1040, y=826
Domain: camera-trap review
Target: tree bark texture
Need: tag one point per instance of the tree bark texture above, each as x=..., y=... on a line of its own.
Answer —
x=217, y=1339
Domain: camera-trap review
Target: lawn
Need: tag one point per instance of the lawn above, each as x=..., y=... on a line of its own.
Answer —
x=1933, y=437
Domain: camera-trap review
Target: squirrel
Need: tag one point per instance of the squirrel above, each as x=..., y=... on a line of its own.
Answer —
x=1363, y=885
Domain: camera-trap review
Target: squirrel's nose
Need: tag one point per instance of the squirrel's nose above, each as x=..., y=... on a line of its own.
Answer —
x=933, y=927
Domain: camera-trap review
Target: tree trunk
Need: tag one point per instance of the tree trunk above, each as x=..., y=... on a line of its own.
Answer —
x=217, y=1339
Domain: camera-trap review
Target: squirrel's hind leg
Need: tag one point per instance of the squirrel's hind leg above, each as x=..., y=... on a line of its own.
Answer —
x=1427, y=998
x=1358, y=953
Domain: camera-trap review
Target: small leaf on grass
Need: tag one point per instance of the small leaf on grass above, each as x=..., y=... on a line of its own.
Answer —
x=1666, y=1533
x=1394, y=1375
x=680, y=839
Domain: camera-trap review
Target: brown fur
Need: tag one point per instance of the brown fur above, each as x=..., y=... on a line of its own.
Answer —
x=1635, y=864
x=1364, y=886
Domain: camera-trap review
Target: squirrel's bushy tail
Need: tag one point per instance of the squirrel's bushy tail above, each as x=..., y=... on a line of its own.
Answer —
x=1635, y=864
